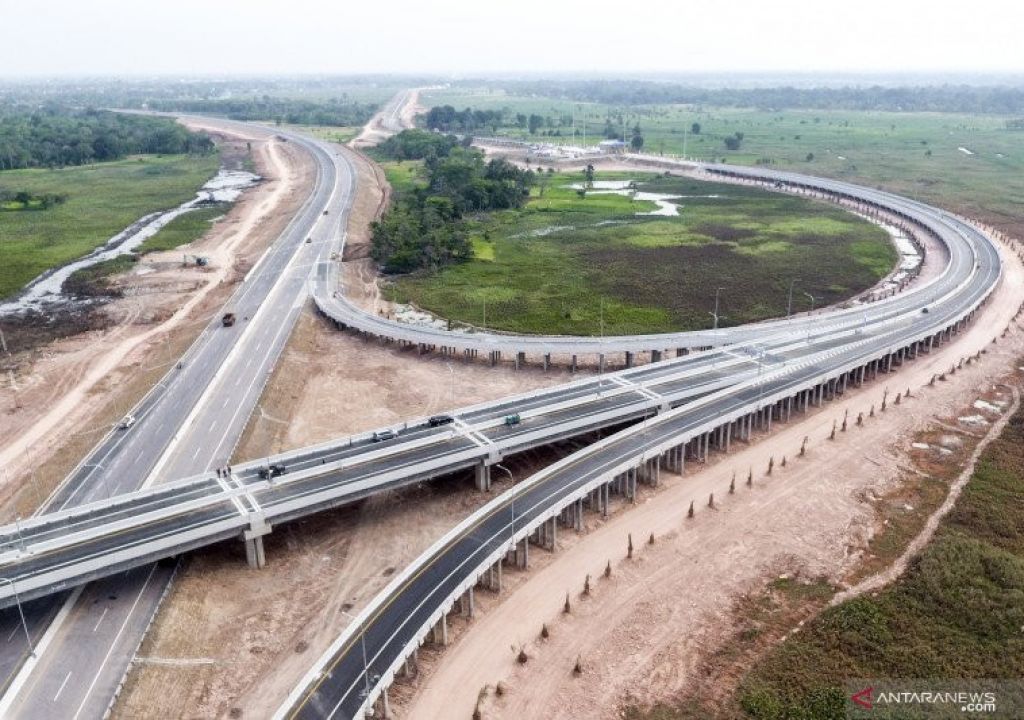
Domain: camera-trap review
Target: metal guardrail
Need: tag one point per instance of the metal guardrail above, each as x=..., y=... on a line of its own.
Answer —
x=937, y=323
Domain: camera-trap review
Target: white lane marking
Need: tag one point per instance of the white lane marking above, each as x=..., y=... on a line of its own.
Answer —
x=97, y=625
x=13, y=631
x=61, y=688
x=213, y=426
x=120, y=632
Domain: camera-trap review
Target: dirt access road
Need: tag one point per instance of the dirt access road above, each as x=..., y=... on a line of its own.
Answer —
x=71, y=391
x=231, y=641
x=642, y=633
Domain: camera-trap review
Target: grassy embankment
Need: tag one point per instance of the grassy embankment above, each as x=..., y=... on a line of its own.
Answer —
x=102, y=199
x=917, y=154
x=566, y=264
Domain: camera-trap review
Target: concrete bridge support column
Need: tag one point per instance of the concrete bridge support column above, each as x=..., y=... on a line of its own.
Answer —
x=547, y=361
x=254, y=554
x=494, y=577
x=483, y=476
x=467, y=604
x=552, y=534
x=523, y=554
x=600, y=363
x=411, y=663
x=655, y=356
x=383, y=705
x=253, y=538
x=573, y=368
x=629, y=359
x=578, y=515
x=439, y=634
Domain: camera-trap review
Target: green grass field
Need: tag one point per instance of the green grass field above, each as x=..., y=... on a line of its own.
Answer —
x=916, y=154
x=183, y=229
x=103, y=199
x=340, y=135
x=572, y=265
x=958, y=612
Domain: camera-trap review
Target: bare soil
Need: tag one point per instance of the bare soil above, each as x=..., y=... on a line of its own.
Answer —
x=641, y=634
x=232, y=641
x=70, y=391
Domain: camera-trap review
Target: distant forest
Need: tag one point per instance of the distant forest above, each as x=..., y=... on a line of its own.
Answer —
x=337, y=112
x=937, y=98
x=55, y=137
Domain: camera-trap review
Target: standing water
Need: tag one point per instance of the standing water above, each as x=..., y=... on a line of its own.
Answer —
x=46, y=289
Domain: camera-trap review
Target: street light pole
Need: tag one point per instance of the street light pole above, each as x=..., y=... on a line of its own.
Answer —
x=21, y=613
x=715, y=313
x=812, y=301
x=366, y=665
x=513, y=501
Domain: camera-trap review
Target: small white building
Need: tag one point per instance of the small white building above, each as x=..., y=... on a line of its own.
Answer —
x=612, y=147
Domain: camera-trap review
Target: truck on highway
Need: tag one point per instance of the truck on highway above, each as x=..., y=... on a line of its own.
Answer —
x=438, y=420
x=228, y=319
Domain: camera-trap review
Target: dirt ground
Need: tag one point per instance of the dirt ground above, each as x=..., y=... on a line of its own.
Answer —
x=641, y=634
x=69, y=392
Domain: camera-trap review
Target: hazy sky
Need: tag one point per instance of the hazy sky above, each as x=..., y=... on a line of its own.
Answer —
x=76, y=37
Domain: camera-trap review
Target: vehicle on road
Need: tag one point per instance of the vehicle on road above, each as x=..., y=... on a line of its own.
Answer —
x=383, y=436
x=126, y=422
x=228, y=319
x=325, y=212
x=309, y=240
x=514, y=419
x=272, y=471
x=438, y=420
x=924, y=311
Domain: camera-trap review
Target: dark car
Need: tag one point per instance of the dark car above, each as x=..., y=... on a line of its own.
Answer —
x=438, y=420
x=272, y=471
x=383, y=435
x=513, y=419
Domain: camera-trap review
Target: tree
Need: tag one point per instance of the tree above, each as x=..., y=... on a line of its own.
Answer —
x=637, y=141
x=695, y=128
x=732, y=142
x=810, y=157
x=535, y=123
x=609, y=129
x=588, y=174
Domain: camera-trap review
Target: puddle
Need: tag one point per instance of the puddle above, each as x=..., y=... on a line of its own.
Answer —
x=225, y=186
x=973, y=420
x=622, y=187
x=987, y=406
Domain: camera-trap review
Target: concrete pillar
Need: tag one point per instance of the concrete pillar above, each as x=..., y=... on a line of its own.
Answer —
x=600, y=363
x=629, y=359
x=254, y=554
x=469, y=604
x=523, y=556
x=573, y=368
x=655, y=356
x=440, y=631
x=547, y=361
x=483, y=476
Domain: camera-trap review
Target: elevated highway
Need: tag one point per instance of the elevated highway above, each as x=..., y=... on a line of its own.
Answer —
x=795, y=356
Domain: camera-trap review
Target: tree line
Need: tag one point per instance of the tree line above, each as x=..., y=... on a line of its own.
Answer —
x=55, y=137
x=1002, y=99
x=337, y=112
x=425, y=228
